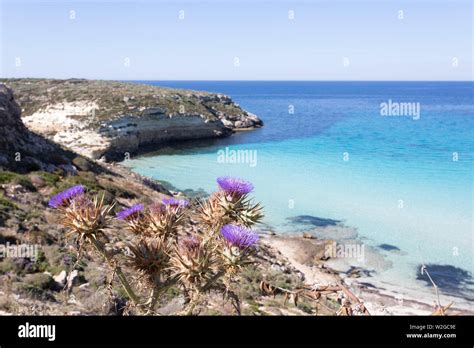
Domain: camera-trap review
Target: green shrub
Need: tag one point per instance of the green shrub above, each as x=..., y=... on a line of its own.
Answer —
x=6, y=204
x=86, y=179
x=51, y=179
x=7, y=177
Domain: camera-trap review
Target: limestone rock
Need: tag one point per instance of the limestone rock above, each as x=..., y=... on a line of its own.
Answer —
x=22, y=150
x=60, y=278
x=73, y=279
x=123, y=118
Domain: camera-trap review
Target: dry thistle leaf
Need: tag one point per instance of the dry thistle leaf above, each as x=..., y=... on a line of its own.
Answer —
x=441, y=311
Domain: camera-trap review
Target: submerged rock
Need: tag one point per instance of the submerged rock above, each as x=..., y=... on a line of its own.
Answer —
x=389, y=247
x=313, y=221
x=449, y=279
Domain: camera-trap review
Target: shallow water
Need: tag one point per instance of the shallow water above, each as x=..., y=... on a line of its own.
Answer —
x=400, y=181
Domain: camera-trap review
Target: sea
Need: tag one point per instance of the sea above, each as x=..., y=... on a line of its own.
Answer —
x=392, y=160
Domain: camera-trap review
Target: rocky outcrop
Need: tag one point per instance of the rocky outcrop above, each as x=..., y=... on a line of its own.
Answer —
x=129, y=135
x=20, y=149
x=113, y=120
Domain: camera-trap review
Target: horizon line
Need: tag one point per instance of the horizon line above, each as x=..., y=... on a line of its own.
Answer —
x=225, y=80
x=301, y=80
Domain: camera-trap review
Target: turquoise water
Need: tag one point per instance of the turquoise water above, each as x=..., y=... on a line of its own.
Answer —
x=395, y=179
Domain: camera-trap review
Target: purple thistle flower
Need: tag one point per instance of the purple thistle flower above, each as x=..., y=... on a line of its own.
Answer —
x=130, y=213
x=233, y=186
x=175, y=202
x=239, y=236
x=64, y=198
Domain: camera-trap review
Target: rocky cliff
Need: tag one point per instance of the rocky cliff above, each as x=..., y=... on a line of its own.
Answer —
x=112, y=119
x=20, y=149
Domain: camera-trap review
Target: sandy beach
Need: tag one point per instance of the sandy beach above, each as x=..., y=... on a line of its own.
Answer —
x=307, y=255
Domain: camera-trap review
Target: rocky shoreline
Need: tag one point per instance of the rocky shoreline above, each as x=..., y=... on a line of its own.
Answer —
x=306, y=254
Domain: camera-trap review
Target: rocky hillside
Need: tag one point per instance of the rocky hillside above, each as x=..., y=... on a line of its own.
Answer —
x=54, y=282
x=110, y=119
x=20, y=149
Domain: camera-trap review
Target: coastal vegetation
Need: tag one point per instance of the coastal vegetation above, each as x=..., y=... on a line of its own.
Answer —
x=163, y=253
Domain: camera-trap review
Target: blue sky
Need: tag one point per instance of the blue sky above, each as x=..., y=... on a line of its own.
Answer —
x=39, y=39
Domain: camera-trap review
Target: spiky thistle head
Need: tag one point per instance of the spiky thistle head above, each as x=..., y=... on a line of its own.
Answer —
x=211, y=213
x=194, y=263
x=238, y=243
x=239, y=236
x=234, y=187
x=230, y=205
x=165, y=218
x=150, y=257
x=233, y=199
x=86, y=218
x=174, y=202
x=131, y=213
x=135, y=218
x=64, y=198
x=241, y=210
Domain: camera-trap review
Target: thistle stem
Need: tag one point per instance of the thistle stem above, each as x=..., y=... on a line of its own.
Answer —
x=157, y=291
x=191, y=308
x=118, y=271
x=126, y=285
x=154, y=298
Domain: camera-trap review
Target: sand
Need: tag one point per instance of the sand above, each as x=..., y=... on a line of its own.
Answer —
x=308, y=256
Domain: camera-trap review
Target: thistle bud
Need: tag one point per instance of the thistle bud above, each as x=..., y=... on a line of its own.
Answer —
x=166, y=217
x=194, y=263
x=135, y=218
x=150, y=257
